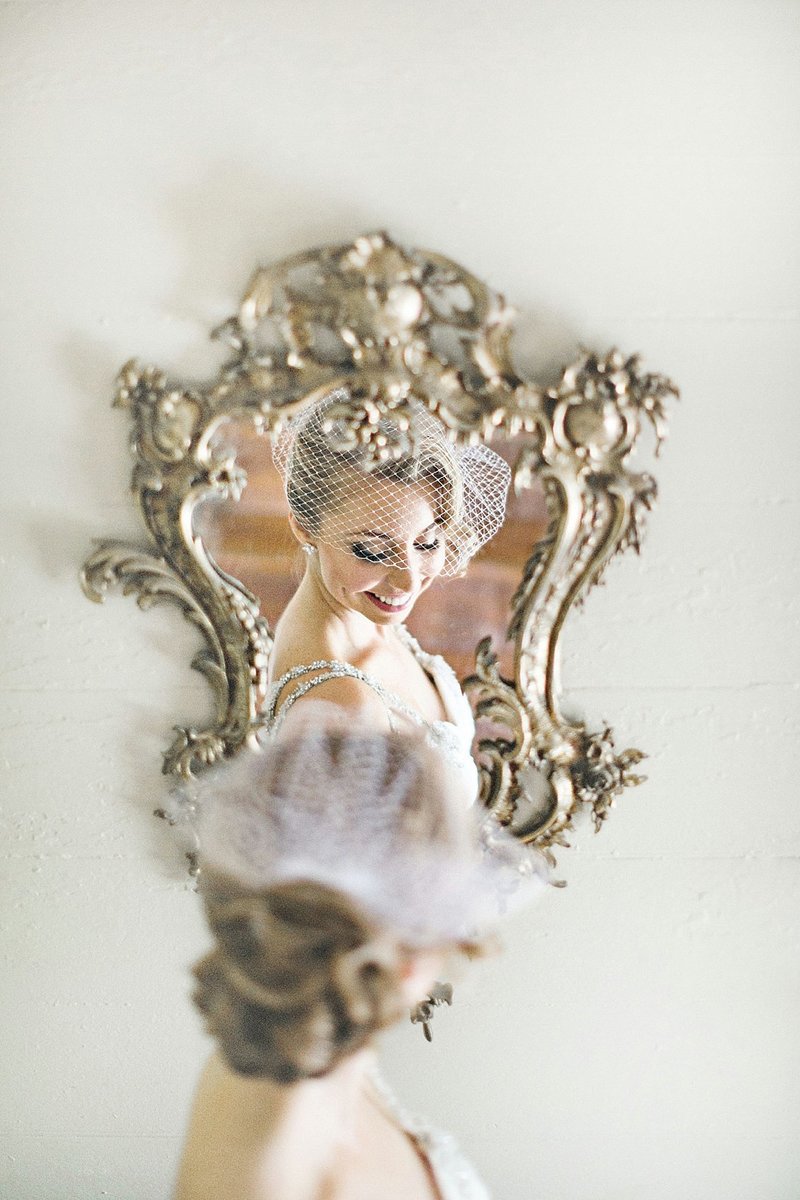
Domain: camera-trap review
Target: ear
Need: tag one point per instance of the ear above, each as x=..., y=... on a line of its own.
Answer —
x=302, y=536
x=418, y=971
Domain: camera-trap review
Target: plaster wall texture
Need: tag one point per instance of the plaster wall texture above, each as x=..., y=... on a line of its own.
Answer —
x=626, y=173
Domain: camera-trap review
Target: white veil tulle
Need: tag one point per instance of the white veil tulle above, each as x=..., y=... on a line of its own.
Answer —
x=359, y=811
x=326, y=453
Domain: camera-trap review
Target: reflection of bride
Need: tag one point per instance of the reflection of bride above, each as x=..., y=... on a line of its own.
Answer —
x=376, y=536
x=337, y=874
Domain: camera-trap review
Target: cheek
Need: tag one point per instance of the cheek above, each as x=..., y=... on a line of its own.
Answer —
x=435, y=564
x=343, y=573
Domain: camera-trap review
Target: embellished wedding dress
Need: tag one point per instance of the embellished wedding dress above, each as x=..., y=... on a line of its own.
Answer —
x=451, y=737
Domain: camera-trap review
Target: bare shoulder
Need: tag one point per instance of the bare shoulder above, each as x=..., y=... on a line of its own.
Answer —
x=309, y=655
x=357, y=699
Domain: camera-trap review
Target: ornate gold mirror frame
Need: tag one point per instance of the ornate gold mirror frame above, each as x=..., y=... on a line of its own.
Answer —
x=391, y=326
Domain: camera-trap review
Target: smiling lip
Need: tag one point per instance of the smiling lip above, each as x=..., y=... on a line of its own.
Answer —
x=389, y=608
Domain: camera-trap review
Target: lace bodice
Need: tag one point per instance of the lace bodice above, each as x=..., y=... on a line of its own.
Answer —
x=452, y=737
x=453, y=1174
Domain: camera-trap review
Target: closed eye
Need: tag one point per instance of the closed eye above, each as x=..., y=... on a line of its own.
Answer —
x=363, y=552
x=367, y=554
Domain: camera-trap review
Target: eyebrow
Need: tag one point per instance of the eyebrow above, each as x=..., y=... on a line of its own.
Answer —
x=377, y=533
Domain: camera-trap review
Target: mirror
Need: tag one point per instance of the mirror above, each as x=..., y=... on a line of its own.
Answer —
x=393, y=328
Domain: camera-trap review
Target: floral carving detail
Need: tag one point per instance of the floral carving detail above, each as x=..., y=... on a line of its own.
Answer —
x=605, y=387
x=602, y=774
x=360, y=424
x=380, y=262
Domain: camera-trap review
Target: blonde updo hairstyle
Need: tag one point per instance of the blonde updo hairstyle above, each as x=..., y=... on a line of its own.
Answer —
x=301, y=975
x=298, y=979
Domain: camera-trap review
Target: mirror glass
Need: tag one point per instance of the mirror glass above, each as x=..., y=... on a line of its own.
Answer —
x=250, y=539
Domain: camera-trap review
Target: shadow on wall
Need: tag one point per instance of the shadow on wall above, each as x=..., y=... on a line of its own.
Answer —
x=234, y=219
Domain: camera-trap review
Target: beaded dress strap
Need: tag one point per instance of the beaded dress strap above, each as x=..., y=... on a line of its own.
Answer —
x=332, y=669
x=429, y=662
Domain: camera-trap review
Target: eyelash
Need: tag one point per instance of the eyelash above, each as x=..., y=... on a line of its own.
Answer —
x=368, y=555
x=380, y=556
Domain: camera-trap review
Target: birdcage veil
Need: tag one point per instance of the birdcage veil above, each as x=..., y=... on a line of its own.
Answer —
x=347, y=470
x=363, y=813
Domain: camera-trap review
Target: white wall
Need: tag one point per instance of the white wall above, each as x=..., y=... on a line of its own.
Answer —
x=626, y=172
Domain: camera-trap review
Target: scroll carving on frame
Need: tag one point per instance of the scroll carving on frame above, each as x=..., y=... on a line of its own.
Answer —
x=394, y=327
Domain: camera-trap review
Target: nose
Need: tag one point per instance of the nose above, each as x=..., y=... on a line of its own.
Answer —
x=404, y=574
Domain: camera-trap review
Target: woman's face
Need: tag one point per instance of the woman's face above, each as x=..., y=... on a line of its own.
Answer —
x=380, y=547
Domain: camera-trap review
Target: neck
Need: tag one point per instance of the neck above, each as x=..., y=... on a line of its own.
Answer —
x=282, y=1139
x=333, y=1096
x=351, y=633
x=336, y=1091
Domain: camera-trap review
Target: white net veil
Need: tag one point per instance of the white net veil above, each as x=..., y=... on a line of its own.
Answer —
x=365, y=814
x=390, y=488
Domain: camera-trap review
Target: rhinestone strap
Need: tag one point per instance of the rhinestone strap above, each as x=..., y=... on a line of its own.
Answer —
x=332, y=669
